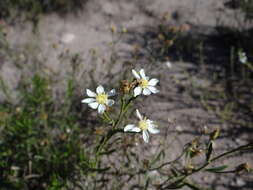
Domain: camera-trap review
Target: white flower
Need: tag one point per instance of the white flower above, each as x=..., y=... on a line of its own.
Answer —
x=145, y=125
x=100, y=99
x=145, y=86
x=168, y=64
x=242, y=57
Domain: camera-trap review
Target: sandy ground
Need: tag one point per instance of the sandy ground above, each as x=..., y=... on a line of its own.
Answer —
x=80, y=32
x=90, y=29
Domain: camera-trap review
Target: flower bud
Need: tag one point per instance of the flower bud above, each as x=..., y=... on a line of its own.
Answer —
x=205, y=130
x=18, y=109
x=243, y=167
x=99, y=131
x=145, y=163
x=215, y=134
x=113, y=28
x=63, y=137
x=161, y=37
x=185, y=28
x=189, y=168
x=44, y=142
x=194, y=152
x=169, y=42
x=125, y=87
x=44, y=116
x=195, y=142
x=173, y=29
x=124, y=30
x=166, y=16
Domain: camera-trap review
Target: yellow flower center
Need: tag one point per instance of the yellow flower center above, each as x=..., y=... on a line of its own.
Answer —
x=143, y=83
x=143, y=125
x=102, y=98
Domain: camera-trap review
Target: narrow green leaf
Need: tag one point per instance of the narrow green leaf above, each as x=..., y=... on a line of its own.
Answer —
x=147, y=184
x=99, y=169
x=39, y=157
x=217, y=169
x=209, y=151
x=108, y=152
x=157, y=157
x=175, y=172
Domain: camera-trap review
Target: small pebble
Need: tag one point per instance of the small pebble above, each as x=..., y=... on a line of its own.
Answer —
x=68, y=38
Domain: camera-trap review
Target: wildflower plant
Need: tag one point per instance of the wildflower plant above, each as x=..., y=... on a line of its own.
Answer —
x=40, y=150
x=184, y=166
x=44, y=146
x=140, y=85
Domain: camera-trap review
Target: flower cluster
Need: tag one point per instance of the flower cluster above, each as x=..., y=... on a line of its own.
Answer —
x=142, y=85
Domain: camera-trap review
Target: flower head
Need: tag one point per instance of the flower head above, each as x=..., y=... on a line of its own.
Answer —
x=144, y=85
x=242, y=57
x=99, y=100
x=168, y=64
x=145, y=125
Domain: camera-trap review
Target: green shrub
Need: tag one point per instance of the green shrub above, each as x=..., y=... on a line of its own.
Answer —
x=39, y=148
x=32, y=8
x=247, y=8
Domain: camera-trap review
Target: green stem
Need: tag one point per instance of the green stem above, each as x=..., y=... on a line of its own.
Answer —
x=120, y=113
x=248, y=146
x=167, y=163
x=240, y=148
x=110, y=133
x=123, y=110
x=107, y=117
x=249, y=66
x=225, y=172
x=105, y=140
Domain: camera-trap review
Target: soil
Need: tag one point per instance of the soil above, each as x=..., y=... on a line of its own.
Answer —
x=88, y=32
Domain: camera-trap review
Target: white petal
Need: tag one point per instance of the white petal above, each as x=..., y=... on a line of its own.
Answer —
x=153, y=89
x=151, y=123
x=90, y=93
x=142, y=73
x=145, y=136
x=153, y=82
x=112, y=92
x=129, y=127
x=132, y=128
x=136, y=75
x=110, y=102
x=152, y=129
x=101, y=108
x=137, y=91
x=100, y=89
x=138, y=114
x=88, y=100
x=136, y=129
x=146, y=91
x=93, y=105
